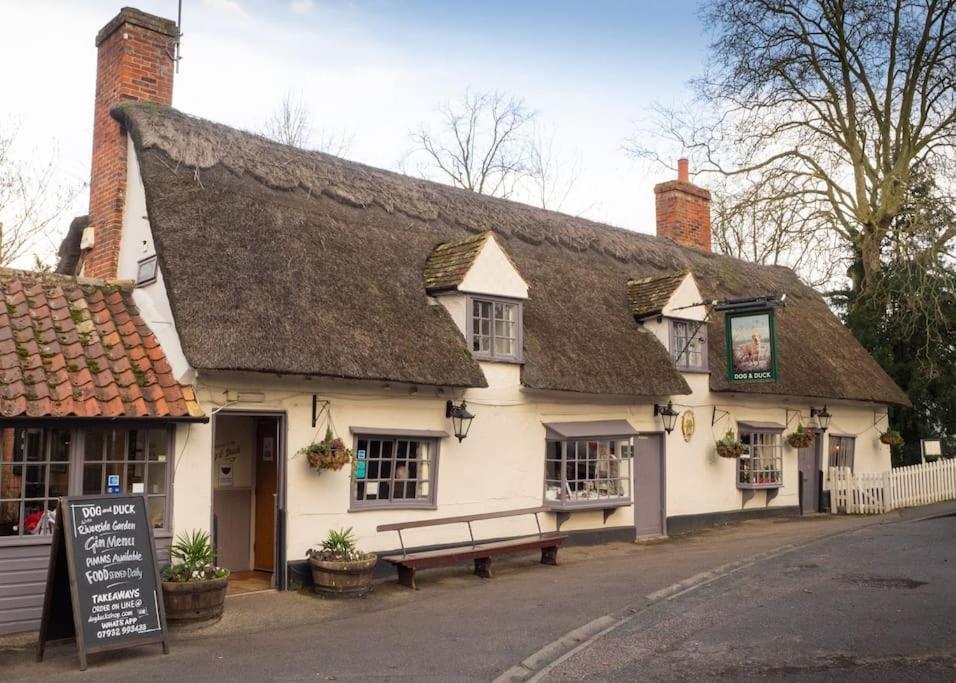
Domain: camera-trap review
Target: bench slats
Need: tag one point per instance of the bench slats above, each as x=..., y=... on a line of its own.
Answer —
x=399, y=526
x=449, y=556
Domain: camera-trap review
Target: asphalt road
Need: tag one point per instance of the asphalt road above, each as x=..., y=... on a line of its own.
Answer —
x=878, y=603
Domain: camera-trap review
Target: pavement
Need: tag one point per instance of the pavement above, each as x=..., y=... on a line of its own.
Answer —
x=456, y=627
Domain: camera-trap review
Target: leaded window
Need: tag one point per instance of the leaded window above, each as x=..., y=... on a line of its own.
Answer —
x=591, y=472
x=841, y=451
x=394, y=472
x=34, y=472
x=761, y=465
x=688, y=343
x=494, y=328
x=129, y=461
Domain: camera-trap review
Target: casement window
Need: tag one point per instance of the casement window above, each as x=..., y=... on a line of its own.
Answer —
x=136, y=459
x=394, y=471
x=761, y=465
x=841, y=451
x=494, y=328
x=688, y=344
x=34, y=472
x=592, y=472
x=38, y=465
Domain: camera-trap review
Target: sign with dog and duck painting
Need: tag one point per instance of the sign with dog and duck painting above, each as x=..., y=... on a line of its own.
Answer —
x=751, y=349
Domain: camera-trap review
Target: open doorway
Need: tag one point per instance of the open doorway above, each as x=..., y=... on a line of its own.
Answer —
x=247, y=471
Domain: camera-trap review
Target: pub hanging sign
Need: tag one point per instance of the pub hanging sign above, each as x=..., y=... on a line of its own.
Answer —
x=751, y=346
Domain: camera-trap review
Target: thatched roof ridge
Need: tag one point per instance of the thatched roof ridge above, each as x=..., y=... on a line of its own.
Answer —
x=283, y=260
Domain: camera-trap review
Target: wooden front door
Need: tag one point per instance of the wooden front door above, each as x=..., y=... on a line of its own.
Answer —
x=267, y=457
x=649, y=485
x=809, y=461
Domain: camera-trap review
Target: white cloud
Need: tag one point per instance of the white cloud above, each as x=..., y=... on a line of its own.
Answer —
x=302, y=7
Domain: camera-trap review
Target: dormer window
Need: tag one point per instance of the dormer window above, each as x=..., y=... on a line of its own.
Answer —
x=494, y=328
x=688, y=344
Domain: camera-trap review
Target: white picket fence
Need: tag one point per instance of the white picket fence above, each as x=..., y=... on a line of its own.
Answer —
x=872, y=493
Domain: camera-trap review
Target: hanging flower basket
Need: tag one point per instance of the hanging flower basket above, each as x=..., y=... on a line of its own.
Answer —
x=891, y=437
x=801, y=438
x=730, y=446
x=328, y=454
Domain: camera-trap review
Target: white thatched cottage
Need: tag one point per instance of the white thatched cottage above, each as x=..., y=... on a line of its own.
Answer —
x=228, y=299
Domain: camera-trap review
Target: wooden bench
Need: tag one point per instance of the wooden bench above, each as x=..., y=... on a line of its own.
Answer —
x=479, y=551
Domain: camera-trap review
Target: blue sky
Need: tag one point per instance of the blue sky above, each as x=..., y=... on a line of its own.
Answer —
x=375, y=69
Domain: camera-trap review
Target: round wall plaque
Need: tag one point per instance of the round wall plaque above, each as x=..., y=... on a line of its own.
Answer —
x=687, y=424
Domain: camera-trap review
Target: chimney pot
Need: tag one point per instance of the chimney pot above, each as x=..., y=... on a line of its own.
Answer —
x=683, y=170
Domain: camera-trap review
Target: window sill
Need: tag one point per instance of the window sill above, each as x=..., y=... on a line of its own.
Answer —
x=7, y=541
x=694, y=371
x=557, y=506
x=371, y=507
x=752, y=487
x=490, y=359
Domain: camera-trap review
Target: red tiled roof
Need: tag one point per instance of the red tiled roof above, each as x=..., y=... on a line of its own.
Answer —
x=78, y=347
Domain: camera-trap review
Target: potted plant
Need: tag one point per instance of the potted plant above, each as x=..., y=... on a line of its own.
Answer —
x=339, y=568
x=802, y=438
x=730, y=446
x=328, y=454
x=891, y=437
x=194, y=588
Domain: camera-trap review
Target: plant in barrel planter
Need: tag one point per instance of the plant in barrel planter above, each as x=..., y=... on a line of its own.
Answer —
x=339, y=569
x=194, y=588
x=802, y=438
x=730, y=446
x=328, y=454
x=891, y=437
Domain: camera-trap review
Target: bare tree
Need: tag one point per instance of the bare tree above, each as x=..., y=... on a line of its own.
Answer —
x=838, y=101
x=550, y=177
x=481, y=144
x=291, y=124
x=34, y=199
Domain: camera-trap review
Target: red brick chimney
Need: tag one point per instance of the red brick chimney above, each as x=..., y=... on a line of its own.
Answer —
x=134, y=62
x=683, y=210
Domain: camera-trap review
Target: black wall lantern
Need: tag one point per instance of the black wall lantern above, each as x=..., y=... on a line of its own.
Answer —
x=460, y=419
x=668, y=416
x=823, y=417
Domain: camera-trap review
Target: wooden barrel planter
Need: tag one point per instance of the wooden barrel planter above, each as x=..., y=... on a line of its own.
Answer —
x=335, y=578
x=191, y=601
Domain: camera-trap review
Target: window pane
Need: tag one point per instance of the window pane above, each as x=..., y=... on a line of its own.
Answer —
x=156, y=481
x=11, y=481
x=94, y=445
x=33, y=445
x=137, y=444
x=35, y=481
x=59, y=445
x=504, y=347
x=157, y=511
x=10, y=518
x=115, y=444
x=59, y=480
x=135, y=474
x=92, y=479
x=158, y=444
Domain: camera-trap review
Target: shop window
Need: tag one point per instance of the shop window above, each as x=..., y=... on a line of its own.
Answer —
x=136, y=460
x=841, y=451
x=588, y=472
x=688, y=343
x=34, y=472
x=394, y=472
x=494, y=329
x=761, y=465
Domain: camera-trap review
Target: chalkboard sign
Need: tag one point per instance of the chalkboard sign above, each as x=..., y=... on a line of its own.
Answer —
x=103, y=584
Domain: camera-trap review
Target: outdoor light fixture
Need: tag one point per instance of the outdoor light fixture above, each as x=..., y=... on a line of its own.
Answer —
x=823, y=417
x=460, y=418
x=668, y=416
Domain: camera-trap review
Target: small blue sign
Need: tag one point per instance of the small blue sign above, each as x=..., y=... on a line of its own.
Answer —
x=360, y=465
x=112, y=483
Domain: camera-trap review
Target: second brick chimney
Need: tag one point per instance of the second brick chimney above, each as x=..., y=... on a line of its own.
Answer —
x=134, y=62
x=683, y=210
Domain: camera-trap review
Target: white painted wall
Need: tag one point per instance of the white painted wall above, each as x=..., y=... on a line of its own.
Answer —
x=493, y=273
x=136, y=243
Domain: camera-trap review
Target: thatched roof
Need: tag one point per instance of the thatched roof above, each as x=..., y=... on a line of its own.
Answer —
x=276, y=259
x=647, y=296
x=78, y=347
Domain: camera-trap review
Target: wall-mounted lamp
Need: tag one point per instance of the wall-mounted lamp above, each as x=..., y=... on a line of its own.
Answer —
x=668, y=416
x=823, y=417
x=460, y=419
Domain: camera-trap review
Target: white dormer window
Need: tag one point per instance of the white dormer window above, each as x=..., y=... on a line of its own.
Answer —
x=688, y=344
x=494, y=328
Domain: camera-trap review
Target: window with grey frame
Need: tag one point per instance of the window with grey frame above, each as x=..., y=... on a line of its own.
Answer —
x=394, y=471
x=592, y=472
x=688, y=343
x=34, y=472
x=841, y=451
x=494, y=328
x=761, y=465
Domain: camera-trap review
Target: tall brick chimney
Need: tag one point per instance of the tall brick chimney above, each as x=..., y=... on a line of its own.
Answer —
x=683, y=210
x=134, y=62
